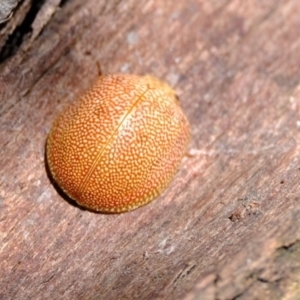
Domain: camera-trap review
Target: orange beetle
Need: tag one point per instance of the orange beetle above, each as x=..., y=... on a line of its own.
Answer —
x=119, y=145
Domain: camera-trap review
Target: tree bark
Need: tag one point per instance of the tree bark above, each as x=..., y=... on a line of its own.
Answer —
x=228, y=227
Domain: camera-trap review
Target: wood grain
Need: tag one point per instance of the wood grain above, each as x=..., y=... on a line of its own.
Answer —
x=228, y=226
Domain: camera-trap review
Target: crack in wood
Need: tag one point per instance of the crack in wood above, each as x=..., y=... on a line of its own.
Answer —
x=185, y=272
x=15, y=39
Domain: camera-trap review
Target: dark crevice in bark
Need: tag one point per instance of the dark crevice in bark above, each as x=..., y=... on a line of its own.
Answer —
x=15, y=40
x=63, y=2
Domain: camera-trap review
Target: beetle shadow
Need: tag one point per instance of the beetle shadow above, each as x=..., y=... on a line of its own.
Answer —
x=68, y=199
x=57, y=187
x=63, y=195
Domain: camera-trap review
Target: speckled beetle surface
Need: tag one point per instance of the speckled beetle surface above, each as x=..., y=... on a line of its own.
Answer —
x=119, y=145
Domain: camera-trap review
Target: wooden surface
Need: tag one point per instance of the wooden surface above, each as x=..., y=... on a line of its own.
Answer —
x=228, y=227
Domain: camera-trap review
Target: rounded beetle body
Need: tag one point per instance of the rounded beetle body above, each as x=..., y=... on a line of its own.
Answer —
x=119, y=145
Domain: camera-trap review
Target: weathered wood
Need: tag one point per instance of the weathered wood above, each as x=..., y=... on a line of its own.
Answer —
x=228, y=227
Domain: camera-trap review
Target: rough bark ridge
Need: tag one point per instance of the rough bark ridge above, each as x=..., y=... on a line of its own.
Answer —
x=228, y=226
